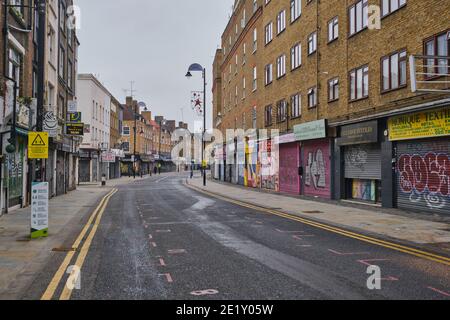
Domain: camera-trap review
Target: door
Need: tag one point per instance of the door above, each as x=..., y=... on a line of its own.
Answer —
x=423, y=175
x=317, y=164
x=60, y=173
x=290, y=180
x=84, y=170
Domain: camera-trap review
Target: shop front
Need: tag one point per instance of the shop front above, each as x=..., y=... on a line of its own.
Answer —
x=422, y=147
x=315, y=158
x=290, y=178
x=251, y=177
x=268, y=157
x=240, y=162
x=361, y=151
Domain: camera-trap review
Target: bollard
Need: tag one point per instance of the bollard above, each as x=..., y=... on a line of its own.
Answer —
x=103, y=180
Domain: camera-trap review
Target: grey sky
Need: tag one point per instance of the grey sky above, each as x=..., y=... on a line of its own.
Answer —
x=152, y=42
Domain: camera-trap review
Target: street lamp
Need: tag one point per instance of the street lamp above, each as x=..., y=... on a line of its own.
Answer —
x=192, y=68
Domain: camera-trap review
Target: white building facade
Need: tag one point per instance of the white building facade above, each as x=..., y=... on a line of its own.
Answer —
x=94, y=103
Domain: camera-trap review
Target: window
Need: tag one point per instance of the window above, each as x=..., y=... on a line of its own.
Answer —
x=244, y=49
x=269, y=34
x=281, y=66
x=255, y=5
x=255, y=79
x=62, y=60
x=126, y=146
x=255, y=40
x=268, y=116
x=389, y=6
x=281, y=111
x=437, y=46
x=359, y=83
x=333, y=89
x=296, y=56
x=62, y=16
x=51, y=45
x=268, y=74
x=333, y=29
x=254, y=117
x=312, y=97
x=394, y=70
x=243, y=121
x=126, y=131
x=243, y=88
x=296, y=9
x=281, y=21
x=69, y=74
x=15, y=65
x=359, y=16
x=296, y=110
x=312, y=43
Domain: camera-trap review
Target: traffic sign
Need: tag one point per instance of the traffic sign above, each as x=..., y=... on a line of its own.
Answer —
x=38, y=145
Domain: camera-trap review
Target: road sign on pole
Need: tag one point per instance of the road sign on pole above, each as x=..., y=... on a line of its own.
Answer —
x=38, y=145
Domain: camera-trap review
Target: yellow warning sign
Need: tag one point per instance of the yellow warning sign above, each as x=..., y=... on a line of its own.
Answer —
x=38, y=145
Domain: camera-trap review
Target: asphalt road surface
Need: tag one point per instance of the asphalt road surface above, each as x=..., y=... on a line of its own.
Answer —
x=158, y=239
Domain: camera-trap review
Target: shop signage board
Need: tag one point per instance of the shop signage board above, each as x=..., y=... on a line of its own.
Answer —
x=424, y=124
x=72, y=106
x=108, y=157
x=75, y=129
x=311, y=130
x=360, y=133
x=50, y=124
x=39, y=210
x=38, y=145
x=74, y=117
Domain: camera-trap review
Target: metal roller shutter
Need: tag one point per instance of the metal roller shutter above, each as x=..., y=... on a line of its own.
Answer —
x=423, y=175
x=363, y=162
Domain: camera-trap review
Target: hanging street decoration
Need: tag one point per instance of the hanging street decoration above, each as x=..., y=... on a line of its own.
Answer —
x=197, y=102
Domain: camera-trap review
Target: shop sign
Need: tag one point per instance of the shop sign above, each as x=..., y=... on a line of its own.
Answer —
x=311, y=130
x=287, y=138
x=425, y=124
x=366, y=132
x=74, y=117
x=50, y=124
x=108, y=157
x=72, y=106
x=75, y=129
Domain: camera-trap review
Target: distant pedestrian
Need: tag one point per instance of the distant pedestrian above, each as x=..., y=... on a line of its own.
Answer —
x=154, y=170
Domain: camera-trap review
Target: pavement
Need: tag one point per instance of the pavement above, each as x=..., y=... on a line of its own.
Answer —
x=20, y=258
x=158, y=239
x=420, y=231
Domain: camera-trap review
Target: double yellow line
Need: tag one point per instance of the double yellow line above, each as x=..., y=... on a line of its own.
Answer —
x=92, y=224
x=346, y=233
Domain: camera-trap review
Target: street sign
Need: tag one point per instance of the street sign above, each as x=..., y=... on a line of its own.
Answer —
x=74, y=117
x=50, y=124
x=39, y=210
x=38, y=145
x=75, y=129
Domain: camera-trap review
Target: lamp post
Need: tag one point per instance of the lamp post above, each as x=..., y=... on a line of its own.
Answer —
x=192, y=68
x=134, y=148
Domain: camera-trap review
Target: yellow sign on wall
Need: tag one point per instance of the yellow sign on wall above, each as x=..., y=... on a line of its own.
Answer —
x=38, y=145
x=425, y=124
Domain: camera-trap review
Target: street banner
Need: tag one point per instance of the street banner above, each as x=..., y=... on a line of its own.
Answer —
x=38, y=145
x=50, y=124
x=39, y=210
x=75, y=129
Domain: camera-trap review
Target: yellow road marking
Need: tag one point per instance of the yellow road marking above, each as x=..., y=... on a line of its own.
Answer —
x=361, y=237
x=53, y=285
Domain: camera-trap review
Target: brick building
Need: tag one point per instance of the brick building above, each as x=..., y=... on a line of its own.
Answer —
x=336, y=86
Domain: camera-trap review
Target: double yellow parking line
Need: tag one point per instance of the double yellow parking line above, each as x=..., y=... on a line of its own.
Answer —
x=92, y=224
x=361, y=237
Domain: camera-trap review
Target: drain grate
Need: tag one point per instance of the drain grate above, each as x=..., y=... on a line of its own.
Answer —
x=64, y=249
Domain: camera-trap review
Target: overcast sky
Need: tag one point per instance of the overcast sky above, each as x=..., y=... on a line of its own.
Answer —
x=152, y=42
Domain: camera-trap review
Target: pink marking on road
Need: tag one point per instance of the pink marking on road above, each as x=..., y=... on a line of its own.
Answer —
x=162, y=263
x=440, y=291
x=150, y=237
x=154, y=218
x=389, y=278
x=163, y=231
x=346, y=254
x=153, y=244
x=176, y=251
x=366, y=262
x=297, y=237
x=282, y=231
x=304, y=245
x=259, y=222
x=168, y=277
